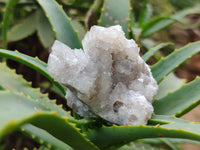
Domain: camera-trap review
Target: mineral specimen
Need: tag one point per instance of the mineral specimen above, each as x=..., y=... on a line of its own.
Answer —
x=107, y=78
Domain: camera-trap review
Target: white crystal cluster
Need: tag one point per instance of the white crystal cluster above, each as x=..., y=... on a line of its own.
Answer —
x=107, y=78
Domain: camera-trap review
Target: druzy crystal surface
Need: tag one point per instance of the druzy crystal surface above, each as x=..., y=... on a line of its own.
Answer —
x=108, y=78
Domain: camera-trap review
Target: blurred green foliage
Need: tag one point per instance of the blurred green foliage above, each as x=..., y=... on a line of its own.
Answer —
x=35, y=24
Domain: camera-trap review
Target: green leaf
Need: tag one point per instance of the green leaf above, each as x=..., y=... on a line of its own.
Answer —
x=140, y=146
x=17, y=83
x=17, y=109
x=169, y=84
x=170, y=144
x=158, y=141
x=61, y=24
x=11, y=81
x=44, y=30
x=155, y=25
x=79, y=27
x=20, y=2
x=171, y=122
x=169, y=63
x=160, y=23
x=52, y=88
x=33, y=63
x=179, y=102
x=148, y=43
x=6, y=20
x=68, y=2
x=174, y=141
x=183, y=141
x=37, y=21
x=44, y=138
x=41, y=148
x=153, y=50
x=145, y=13
x=23, y=29
x=116, y=136
x=116, y=12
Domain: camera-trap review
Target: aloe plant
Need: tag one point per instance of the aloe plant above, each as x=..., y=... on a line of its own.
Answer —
x=25, y=109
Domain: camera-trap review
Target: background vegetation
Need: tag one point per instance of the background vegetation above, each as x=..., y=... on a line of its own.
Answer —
x=163, y=30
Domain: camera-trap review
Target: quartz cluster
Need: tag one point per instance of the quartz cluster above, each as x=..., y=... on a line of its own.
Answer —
x=108, y=78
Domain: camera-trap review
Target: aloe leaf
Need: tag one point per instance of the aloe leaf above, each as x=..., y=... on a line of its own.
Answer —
x=116, y=12
x=44, y=138
x=145, y=13
x=163, y=142
x=140, y=146
x=23, y=29
x=117, y=136
x=169, y=63
x=52, y=88
x=20, y=2
x=42, y=147
x=40, y=66
x=33, y=63
x=159, y=141
x=179, y=102
x=17, y=109
x=155, y=25
x=183, y=141
x=171, y=145
x=68, y=2
x=177, y=143
x=11, y=81
x=160, y=23
x=79, y=27
x=6, y=20
x=16, y=83
x=36, y=21
x=169, y=84
x=61, y=24
x=171, y=122
x=44, y=30
x=153, y=50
